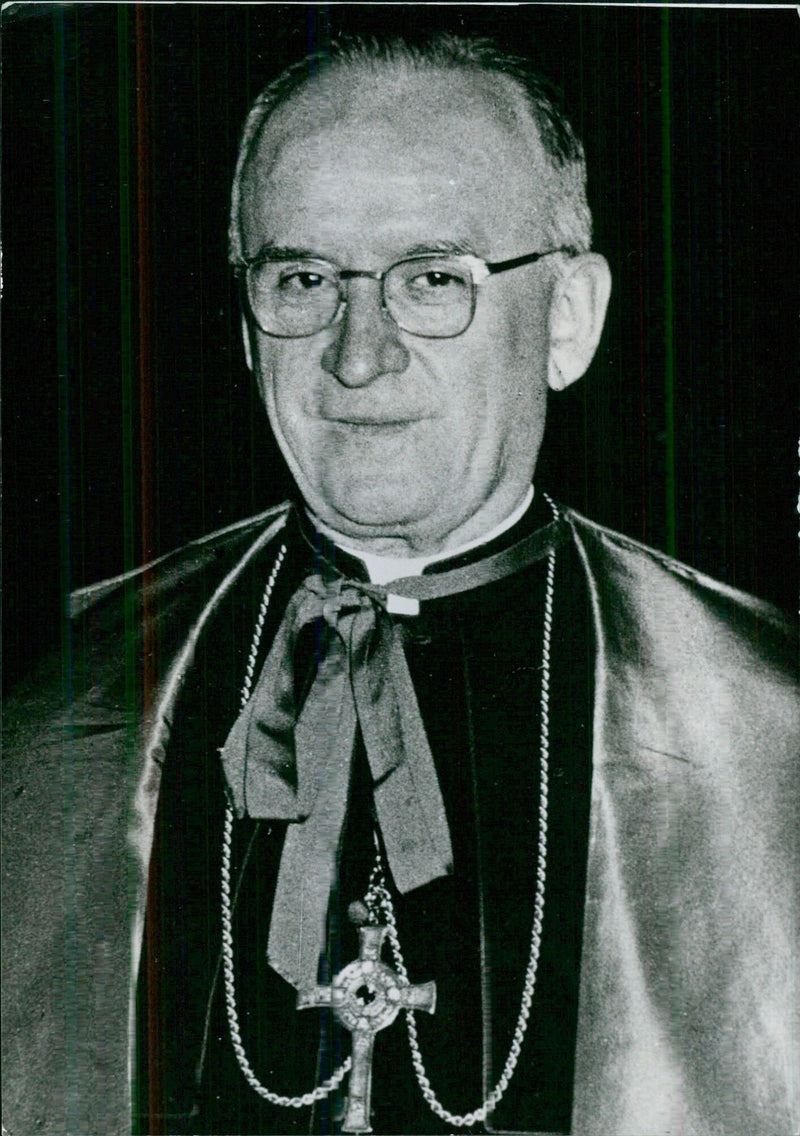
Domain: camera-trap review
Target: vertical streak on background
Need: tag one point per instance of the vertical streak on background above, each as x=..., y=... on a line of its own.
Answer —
x=152, y=946
x=319, y=32
x=126, y=328
x=126, y=354
x=203, y=456
x=144, y=181
x=724, y=258
x=69, y=890
x=643, y=321
x=749, y=114
x=738, y=116
x=126, y=357
x=669, y=346
x=144, y=276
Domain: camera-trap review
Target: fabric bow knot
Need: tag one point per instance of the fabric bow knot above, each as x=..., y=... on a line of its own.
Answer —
x=293, y=763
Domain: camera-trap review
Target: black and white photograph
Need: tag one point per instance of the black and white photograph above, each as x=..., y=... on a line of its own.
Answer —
x=401, y=729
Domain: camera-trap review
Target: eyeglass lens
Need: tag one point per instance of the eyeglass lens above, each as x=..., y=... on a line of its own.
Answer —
x=429, y=296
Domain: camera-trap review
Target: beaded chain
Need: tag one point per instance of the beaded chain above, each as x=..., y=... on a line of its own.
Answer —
x=321, y=1091
x=378, y=899
x=378, y=896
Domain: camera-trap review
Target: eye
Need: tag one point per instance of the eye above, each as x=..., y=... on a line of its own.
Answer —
x=300, y=280
x=432, y=284
x=434, y=279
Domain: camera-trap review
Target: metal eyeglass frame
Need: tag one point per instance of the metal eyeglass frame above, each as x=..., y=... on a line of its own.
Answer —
x=480, y=271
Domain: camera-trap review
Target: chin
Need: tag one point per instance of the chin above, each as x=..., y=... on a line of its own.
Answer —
x=370, y=509
x=364, y=517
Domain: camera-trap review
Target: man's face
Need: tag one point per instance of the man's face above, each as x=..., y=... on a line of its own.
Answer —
x=404, y=443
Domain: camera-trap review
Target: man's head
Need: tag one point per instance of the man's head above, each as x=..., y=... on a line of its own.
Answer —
x=402, y=433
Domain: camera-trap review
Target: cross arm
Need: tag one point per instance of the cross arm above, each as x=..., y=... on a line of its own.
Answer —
x=316, y=996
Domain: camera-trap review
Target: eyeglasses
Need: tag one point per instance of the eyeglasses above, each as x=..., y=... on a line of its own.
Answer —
x=431, y=295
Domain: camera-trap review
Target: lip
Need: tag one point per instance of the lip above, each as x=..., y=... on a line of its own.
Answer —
x=371, y=424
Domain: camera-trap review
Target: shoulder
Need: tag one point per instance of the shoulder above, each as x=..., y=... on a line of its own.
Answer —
x=674, y=619
x=126, y=632
x=221, y=549
x=687, y=665
x=620, y=556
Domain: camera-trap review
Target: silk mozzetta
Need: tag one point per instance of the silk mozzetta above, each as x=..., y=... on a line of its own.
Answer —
x=688, y=1022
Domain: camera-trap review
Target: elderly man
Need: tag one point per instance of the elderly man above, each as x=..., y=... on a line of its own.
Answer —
x=456, y=810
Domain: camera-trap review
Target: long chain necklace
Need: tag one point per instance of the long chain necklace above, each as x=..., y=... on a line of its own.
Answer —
x=321, y=1091
x=378, y=899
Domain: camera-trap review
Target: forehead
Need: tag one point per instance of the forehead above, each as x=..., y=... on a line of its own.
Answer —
x=394, y=161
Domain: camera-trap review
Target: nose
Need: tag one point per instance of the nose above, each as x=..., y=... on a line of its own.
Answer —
x=366, y=343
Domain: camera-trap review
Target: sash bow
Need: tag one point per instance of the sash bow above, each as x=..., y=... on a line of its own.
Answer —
x=290, y=763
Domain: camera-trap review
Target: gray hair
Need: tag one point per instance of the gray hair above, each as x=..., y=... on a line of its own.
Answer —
x=570, y=220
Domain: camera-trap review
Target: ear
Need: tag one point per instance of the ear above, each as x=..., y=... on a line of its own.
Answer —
x=248, y=352
x=577, y=312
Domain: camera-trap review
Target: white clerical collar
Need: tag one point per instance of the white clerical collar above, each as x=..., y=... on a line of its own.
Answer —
x=384, y=569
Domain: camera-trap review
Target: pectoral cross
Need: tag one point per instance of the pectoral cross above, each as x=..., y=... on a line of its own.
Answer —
x=366, y=997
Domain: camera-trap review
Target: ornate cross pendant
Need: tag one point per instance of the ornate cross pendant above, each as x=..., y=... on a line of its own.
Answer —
x=366, y=997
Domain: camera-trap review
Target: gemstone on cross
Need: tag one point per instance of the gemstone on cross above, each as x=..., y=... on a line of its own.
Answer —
x=366, y=997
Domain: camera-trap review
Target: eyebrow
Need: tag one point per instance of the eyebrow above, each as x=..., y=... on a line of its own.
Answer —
x=269, y=252
x=458, y=248
x=283, y=252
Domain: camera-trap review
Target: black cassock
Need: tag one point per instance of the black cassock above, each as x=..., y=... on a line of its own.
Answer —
x=475, y=660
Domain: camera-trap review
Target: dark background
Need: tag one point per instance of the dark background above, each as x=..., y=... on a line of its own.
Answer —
x=129, y=421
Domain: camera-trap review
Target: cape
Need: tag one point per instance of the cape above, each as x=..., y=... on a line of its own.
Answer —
x=688, y=1019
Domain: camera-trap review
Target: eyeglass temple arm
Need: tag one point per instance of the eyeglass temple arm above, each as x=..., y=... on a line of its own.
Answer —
x=529, y=258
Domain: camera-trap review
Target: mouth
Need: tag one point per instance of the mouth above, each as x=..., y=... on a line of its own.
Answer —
x=372, y=425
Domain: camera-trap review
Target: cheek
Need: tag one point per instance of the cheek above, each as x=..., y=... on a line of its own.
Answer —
x=278, y=376
x=516, y=381
x=523, y=354
x=282, y=370
x=510, y=373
